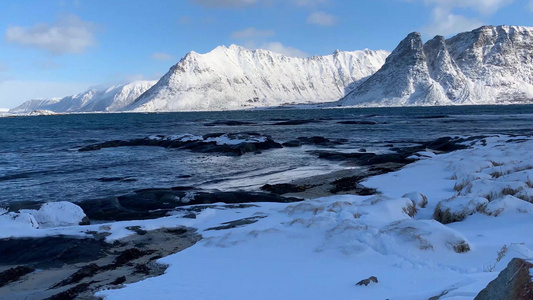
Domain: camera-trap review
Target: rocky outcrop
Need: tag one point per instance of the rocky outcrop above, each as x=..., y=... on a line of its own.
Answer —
x=231, y=144
x=513, y=283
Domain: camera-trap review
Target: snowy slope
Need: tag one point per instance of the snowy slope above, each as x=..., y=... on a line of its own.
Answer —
x=105, y=100
x=235, y=78
x=32, y=105
x=489, y=65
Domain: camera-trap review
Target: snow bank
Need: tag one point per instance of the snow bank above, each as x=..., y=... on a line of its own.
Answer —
x=49, y=215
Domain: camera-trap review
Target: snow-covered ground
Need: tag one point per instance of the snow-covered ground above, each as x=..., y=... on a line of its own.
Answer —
x=320, y=248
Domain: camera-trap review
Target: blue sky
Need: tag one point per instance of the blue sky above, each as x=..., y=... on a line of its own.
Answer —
x=53, y=48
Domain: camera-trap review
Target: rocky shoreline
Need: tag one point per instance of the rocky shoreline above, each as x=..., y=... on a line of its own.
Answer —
x=64, y=267
x=81, y=266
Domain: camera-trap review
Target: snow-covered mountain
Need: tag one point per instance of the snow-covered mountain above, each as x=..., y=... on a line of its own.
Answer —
x=94, y=100
x=489, y=65
x=236, y=78
x=32, y=105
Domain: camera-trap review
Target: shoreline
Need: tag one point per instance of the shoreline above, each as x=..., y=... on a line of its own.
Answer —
x=74, y=274
x=391, y=222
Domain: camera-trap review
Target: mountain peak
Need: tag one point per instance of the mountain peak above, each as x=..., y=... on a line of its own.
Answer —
x=236, y=78
x=488, y=65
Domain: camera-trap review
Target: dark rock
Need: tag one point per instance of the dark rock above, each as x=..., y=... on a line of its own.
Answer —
x=340, y=156
x=176, y=231
x=71, y=293
x=14, y=274
x=137, y=230
x=142, y=269
x=128, y=255
x=447, y=144
x=292, y=143
x=513, y=282
x=110, y=179
x=190, y=216
x=156, y=203
x=295, y=122
x=201, y=146
x=119, y=280
x=236, y=223
x=52, y=251
x=283, y=188
x=433, y=117
x=367, y=281
x=229, y=123
x=85, y=272
x=352, y=184
x=386, y=158
x=314, y=140
x=358, y=122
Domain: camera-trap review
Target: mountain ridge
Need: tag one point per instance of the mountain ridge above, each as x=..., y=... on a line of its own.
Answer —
x=488, y=65
x=235, y=78
x=107, y=99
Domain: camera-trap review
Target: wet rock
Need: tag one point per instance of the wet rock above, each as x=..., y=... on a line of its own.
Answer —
x=137, y=230
x=52, y=251
x=156, y=203
x=236, y=223
x=71, y=293
x=513, y=282
x=433, y=117
x=229, y=123
x=142, y=269
x=367, y=281
x=292, y=143
x=358, y=122
x=119, y=280
x=85, y=272
x=351, y=184
x=283, y=188
x=245, y=142
x=14, y=274
x=314, y=140
x=128, y=255
x=295, y=122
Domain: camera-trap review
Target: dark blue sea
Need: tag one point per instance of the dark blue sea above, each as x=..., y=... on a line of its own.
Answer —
x=40, y=161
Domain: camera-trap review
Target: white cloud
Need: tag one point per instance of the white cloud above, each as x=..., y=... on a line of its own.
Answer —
x=485, y=7
x=530, y=5
x=69, y=34
x=161, y=56
x=250, y=33
x=445, y=21
x=321, y=18
x=445, y=24
x=224, y=3
x=285, y=50
x=15, y=92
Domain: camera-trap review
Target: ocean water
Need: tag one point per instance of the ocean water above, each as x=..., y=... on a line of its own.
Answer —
x=39, y=160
